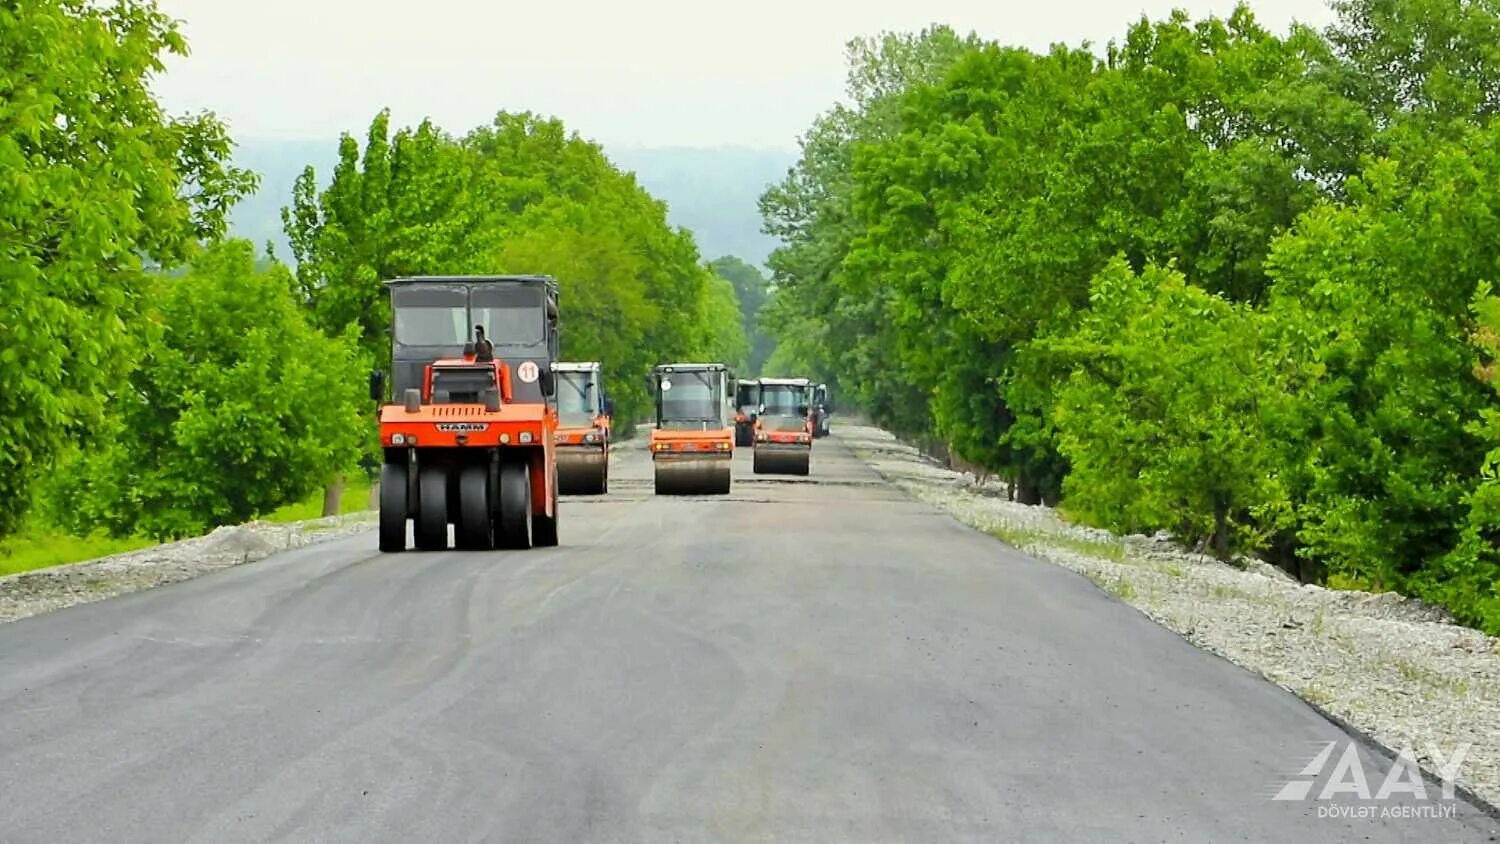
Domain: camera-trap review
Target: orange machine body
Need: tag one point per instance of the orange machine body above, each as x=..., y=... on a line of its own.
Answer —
x=530, y=426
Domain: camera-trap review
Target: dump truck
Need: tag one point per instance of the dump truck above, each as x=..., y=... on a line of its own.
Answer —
x=584, y=413
x=692, y=442
x=821, y=409
x=468, y=437
x=746, y=406
x=783, y=429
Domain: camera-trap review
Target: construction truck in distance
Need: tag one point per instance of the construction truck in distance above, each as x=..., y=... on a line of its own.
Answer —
x=783, y=428
x=584, y=413
x=468, y=440
x=821, y=409
x=746, y=406
x=692, y=441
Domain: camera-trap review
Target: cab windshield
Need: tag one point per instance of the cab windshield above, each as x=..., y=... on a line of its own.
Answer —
x=745, y=397
x=690, y=400
x=435, y=315
x=432, y=316
x=512, y=314
x=575, y=399
x=782, y=399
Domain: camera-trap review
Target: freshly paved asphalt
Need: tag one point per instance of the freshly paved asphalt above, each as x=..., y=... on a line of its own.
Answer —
x=818, y=659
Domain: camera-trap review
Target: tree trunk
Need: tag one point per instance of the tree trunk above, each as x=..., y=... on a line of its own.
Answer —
x=1221, y=534
x=1028, y=493
x=333, y=496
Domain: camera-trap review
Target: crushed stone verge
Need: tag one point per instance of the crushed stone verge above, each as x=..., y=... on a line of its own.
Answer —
x=45, y=590
x=1396, y=669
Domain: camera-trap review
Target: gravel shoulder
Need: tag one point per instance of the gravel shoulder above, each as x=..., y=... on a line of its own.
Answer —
x=1394, y=669
x=45, y=590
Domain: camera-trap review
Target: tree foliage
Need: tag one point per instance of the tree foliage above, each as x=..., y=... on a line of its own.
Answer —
x=238, y=407
x=97, y=182
x=1218, y=281
x=751, y=290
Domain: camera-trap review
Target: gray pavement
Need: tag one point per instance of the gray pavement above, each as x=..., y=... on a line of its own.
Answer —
x=807, y=659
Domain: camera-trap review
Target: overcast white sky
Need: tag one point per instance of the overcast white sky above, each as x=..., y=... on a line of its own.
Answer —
x=646, y=73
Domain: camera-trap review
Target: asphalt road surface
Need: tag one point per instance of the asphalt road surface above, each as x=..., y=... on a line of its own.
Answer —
x=817, y=659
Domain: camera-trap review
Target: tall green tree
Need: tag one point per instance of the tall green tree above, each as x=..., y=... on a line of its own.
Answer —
x=98, y=182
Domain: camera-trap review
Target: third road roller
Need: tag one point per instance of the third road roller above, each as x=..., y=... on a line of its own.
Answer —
x=783, y=427
x=692, y=442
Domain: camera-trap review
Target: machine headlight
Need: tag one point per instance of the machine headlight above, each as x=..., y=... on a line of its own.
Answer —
x=398, y=439
x=591, y=437
x=505, y=439
x=525, y=437
x=802, y=438
x=722, y=446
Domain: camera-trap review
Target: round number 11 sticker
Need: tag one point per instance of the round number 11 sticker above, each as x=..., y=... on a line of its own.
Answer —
x=527, y=371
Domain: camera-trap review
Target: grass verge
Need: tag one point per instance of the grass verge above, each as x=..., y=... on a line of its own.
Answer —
x=356, y=498
x=1022, y=537
x=40, y=547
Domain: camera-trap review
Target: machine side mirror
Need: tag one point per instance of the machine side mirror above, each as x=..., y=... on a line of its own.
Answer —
x=547, y=380
x=377, y=385
x=609, y=407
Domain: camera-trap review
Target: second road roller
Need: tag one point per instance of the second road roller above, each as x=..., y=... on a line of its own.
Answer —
x=584, y=413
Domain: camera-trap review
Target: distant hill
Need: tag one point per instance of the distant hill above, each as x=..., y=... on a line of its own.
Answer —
x=710, y=191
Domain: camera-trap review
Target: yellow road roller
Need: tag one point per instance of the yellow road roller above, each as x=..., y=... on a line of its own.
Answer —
x=783, y=427
x=584, y=413
x=692, y=443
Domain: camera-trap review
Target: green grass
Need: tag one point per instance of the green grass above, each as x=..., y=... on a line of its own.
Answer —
x=356, y=498
x=1434, y=680
x=1116, y=586
x=1021, y=537
x=38, y=549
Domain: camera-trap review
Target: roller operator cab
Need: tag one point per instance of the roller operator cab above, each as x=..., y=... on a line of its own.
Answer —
x=784, y=427
x=692, y=442
x=469, y=436
x=746, y=405
x=584, y=413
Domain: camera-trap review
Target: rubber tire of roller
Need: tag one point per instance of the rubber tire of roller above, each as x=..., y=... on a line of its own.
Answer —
x=544, y=527
x=513, y=519
x=393, y=508
x=474, y=528
x=432, y=509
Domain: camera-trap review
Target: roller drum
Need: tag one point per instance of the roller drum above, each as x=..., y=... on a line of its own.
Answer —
x=582, y=471
x=692, y=476
x=768, y=461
